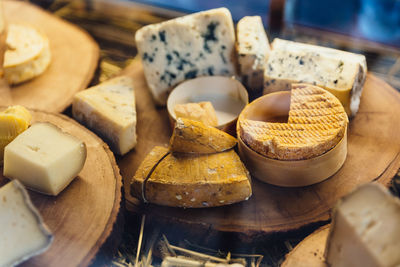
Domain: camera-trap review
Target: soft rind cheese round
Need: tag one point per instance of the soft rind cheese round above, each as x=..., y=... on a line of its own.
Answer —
x=317, y=122
x=28, y=53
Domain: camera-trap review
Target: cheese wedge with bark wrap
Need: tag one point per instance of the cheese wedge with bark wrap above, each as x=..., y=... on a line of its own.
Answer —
x=191, y=181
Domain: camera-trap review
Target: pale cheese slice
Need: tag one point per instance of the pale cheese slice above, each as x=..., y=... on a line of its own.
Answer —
x=202, y=111
x=109, y=110
x=339, y=72
x=28, y=54
x=44, y=158
x=194, y=137
x=365, y=229
x=195, y=181
x=253, y=50
x=23, y=233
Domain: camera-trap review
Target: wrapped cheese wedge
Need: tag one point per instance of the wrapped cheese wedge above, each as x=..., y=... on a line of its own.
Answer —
x=28, y=54
x=23, y=233
x=191, y=181
x=194, y=137
x=13, y=121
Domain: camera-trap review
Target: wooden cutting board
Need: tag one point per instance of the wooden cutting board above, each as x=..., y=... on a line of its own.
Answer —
x=74, y=60
x=373, y=154
x=310, y=251
x=83, y=215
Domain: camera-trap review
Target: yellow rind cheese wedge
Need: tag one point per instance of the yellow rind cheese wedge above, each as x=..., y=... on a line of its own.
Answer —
x=194, y=137
x=191, y=181
x=13, y=121
x=23, y=233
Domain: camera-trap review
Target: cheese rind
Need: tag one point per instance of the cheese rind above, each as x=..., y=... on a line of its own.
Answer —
x=44, y=158
x=339, y=72
x=194, y=137
x=13, y=121
x=196, y=181
x=202, y=111
x=23, y=233
x=253, y=50
x=28, y=55
x=199, y=44
x=365, y=229
x=109, y=110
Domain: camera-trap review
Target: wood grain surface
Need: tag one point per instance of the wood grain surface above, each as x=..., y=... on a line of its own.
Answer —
x=82, y=216
x=373, y=154
x=74, y=60
x=310, y=251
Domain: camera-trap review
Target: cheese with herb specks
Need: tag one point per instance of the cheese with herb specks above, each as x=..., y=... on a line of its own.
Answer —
x=253, y=50
x=199, y=44
x=339, y=72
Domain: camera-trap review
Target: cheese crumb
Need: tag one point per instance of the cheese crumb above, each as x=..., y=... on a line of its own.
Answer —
x=178, y=197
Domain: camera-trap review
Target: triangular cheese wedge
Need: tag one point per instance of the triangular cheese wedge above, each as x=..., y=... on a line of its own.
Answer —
x=191, y=181
x=195, y=137
x=317, y=122
x=109, y=110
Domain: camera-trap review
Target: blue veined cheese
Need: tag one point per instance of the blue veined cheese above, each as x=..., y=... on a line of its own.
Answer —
x=109, y=110
x=253, y=50
x=341, y=73
x=200, y=44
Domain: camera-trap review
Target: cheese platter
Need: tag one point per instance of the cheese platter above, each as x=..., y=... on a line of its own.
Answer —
x=73, y=54
x=83, y=215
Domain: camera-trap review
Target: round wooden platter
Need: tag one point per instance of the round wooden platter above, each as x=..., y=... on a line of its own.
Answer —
x=74, y=60
x=83, y=215
x=310, y=251
x=373, y=154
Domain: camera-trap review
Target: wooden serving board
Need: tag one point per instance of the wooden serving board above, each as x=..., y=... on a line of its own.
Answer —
x=74, y=60
x=373, y=154
x=310, y=251
x=83, y=215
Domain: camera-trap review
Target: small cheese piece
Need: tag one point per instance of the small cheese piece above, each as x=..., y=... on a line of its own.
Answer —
x=44, y=158
x=316, y=123
x=28, y=54
x=199, y=44
x=253, y=50
x=23, y=233
x=202, y=111
x=365, y=229
x=339, y=72
x=13, y=121
x=109, y=110
x=194, y=137
x=195, y=181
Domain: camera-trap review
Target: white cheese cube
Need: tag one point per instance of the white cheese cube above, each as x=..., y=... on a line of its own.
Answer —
x=199, y=44
x=365, y=229
x=23, y=233
x=253, y=50
x=339, y=72
x=109, y=110
x=44, y=158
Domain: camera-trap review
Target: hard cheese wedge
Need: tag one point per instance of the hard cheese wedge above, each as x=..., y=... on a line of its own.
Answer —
x=341, y=73
x=316, y=123
x=194, y=137
x=13, y=121
x=44, y=158
x=28, y=54
x=253, y=50
x=109, y=110
x=199, y=44
x=192, y=181
x=202, y=111
x=23, y=233
x=365, y=229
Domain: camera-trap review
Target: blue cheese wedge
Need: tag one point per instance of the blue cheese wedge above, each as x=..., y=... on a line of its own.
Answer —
x=23, y=233
x=199, y=44
x=339, y=72
x=109, y=110
x=253, y=50
x=365, y=229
